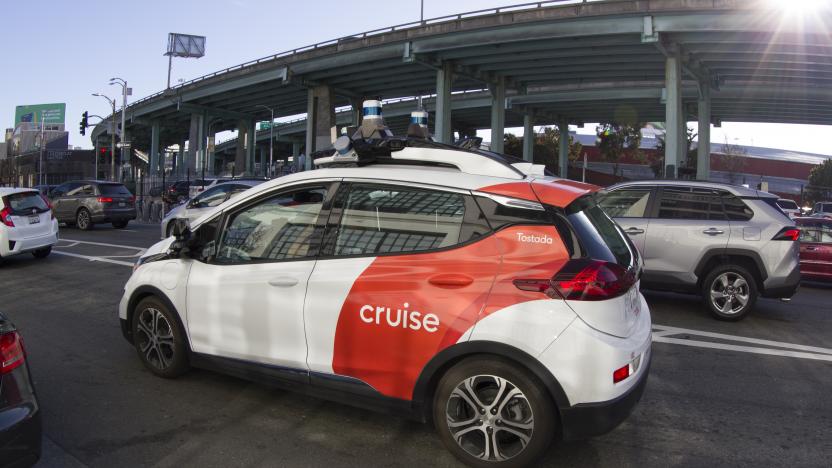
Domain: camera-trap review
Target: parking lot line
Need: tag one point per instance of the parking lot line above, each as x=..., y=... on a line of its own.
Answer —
x=665, y=331
x=94, y=259
x=104, y=244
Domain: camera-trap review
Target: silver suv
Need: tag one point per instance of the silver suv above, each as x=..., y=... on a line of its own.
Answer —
x=730, y=244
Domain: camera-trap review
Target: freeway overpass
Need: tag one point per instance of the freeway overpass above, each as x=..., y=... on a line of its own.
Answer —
x=555, y=62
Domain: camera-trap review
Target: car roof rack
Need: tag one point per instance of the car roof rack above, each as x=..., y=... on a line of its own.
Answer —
x=348, y=152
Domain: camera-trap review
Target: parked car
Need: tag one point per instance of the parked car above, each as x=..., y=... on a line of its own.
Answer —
x=20, y=421
x=789, y=207
x=84, y=203
x=815, y=248
x=197, y=189
x=197, y=206
x=180, y=190
x=730, y=244
x=44, y=189
x=822, y=210
x=27, y=223
x=452, y=287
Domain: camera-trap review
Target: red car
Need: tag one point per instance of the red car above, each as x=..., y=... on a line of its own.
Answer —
x=815, y=248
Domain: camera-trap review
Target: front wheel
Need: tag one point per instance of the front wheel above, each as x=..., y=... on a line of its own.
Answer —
x=489, y=412
x=83, y=220
x=42, y=253
x=158, y=339
x=730, y=292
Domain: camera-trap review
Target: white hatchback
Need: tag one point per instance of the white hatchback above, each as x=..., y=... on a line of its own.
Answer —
x=27, y=223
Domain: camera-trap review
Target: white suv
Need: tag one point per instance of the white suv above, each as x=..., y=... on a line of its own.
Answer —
x=449, y=285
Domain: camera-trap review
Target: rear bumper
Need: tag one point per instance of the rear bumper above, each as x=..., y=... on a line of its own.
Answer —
x=593, y=419
x=11, y=246
x=783, y=288
x=108, y=216
x=20, y=436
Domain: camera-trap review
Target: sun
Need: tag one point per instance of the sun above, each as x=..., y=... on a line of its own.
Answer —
x=801, y=7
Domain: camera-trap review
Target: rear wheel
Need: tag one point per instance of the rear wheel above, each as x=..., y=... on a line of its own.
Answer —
x=158, y=339
x=730, y=292
x=42, y=253
x=120, y=224
x=489, y=412
x=83, y=220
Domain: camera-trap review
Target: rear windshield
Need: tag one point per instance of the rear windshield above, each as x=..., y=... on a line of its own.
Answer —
x=25, y=202
x=825, y=207
x=113, y=189
x=599, y=234
x=787, y=204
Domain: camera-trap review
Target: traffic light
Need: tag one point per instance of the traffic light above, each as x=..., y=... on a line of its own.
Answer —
x=84, y=117
x=103, y=153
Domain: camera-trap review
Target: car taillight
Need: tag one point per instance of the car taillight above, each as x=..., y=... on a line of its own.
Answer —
x=12, y=354
x=583, y=280
x=105, y=199
x=788, y=234
x=132, y=199
x=49, y=205
x=620, y=374
x=5, y=217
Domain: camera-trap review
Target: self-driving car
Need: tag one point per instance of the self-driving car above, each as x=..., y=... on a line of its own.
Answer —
x=453, y=286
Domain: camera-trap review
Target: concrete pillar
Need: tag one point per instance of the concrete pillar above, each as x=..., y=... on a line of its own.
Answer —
x=444, y=81
x=703, y=152
x=563, y=153
x=264, y=160
x=251, y=146
x=240, y=155
x=154, y=149
x=673, y=115
x=320, y=122
x=296, y=148
x=498, y=114
x=357, y=106
x=528, y=137
x=180, y=160
x=193, y=145
x=210, y=157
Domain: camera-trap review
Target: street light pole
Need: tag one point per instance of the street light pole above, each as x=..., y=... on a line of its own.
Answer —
x=124, y=92
x=271, y=140
x=40, y=165
x=113, y=131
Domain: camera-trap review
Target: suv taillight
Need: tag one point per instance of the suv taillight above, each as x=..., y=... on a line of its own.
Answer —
x=788, y=234
x=105, y=199
x=583, y=280
x=5, y=217
x=12, y=354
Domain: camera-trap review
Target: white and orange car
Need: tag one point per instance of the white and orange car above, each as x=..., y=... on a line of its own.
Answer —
x=454, y=286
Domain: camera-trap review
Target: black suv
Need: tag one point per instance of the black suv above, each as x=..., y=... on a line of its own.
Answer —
x=84, y=203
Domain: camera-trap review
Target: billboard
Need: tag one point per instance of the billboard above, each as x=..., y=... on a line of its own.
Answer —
x=37, y=113
x=185, y=45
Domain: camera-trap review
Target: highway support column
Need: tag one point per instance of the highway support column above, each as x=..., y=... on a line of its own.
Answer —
x=528, y=137
x=193, y=146
x=251, y=146
x=444, y=81
x=673, y=115
x=153, y=168
x=703, y=151
x=180, y=159
x=563, y=153
x=320, y=122
x=498, y=114
x=240, y=153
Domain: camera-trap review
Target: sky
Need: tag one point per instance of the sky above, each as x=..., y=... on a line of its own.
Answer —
x=63, y=51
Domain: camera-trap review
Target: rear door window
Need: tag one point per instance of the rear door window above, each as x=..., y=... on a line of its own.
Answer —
x=690, y=204
x=390, y=219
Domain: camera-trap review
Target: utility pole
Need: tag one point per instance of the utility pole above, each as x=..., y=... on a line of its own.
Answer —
x=40, y=165
x=125, y=91
x=113, y=131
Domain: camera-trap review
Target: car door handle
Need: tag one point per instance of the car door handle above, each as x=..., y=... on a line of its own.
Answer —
x=284, y=282
x=713, y=232
x=634, y=231
x=811, y=248
x=450, y=280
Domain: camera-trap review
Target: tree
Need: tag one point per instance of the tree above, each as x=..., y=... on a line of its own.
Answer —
x=732, y=159
x=616, y=140
x=820, y=183
x=690, y=163
x=513, y=145
x=546, y=147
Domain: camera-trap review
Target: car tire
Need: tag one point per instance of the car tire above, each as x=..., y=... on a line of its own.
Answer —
x=83, y=220
x=159, y=340
x=120, y=224
x=42, y=253
x=729, y=292
x=485, y=419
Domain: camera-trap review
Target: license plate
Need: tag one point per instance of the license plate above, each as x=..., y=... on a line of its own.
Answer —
x=122, y=204
x=34, y=219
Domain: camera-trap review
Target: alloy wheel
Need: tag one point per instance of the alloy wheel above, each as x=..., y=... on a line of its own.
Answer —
x=490, y=418
x=155, y=338
x=729, y=293
x=83, y=220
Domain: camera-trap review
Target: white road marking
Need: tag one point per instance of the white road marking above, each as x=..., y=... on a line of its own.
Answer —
x=105, y=245
x=94, y=259
x=792, y=350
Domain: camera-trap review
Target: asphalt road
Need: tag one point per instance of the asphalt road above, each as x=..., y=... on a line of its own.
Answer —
x=711, y=400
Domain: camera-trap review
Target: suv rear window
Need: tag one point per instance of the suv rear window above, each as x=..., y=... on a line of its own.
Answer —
x=599, y=234
x=24, y=202
x=113, y=189
x=787, y=204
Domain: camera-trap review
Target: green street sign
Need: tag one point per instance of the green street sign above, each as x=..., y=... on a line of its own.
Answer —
x=265, y=125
